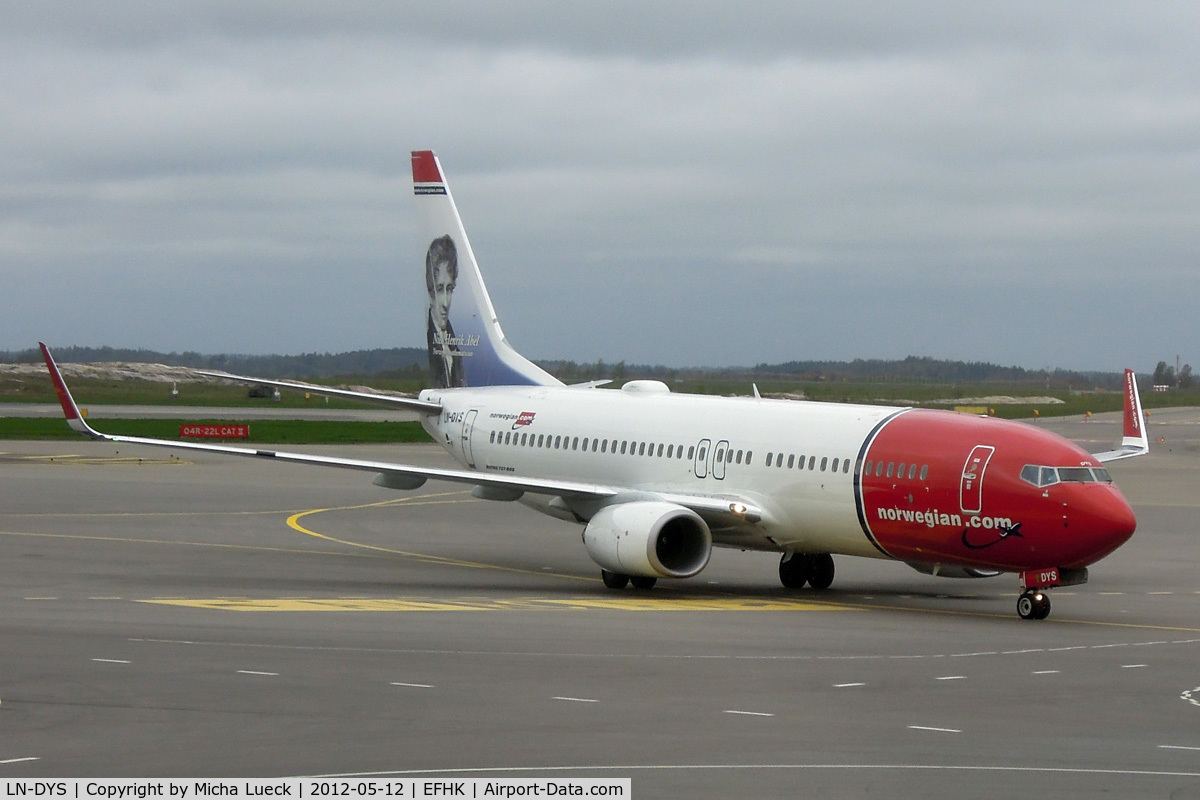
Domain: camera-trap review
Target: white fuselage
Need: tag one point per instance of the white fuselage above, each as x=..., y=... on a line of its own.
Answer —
x=646, y=438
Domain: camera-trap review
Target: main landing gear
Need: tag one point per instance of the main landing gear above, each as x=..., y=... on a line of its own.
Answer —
x=1033, y=604
x=618, y=580
x=797, y=569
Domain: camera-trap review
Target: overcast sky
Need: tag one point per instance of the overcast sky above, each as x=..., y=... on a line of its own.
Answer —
x=701, y=183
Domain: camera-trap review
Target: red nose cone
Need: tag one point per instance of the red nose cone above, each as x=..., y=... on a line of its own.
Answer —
x=1110, y=523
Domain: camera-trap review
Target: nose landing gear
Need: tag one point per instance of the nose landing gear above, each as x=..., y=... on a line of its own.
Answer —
x=1033, y=602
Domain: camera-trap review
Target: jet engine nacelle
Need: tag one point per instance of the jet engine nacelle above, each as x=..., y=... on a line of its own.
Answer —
x=649, y=538
x=948, y=571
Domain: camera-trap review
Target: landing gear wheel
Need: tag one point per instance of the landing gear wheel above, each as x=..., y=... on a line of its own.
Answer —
x=643, y=582
x=1033, y=605
x=794, y=570
x=614, y=580
x=821, y=571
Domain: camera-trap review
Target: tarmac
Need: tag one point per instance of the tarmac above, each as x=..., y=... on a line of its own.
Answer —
x=181, y=615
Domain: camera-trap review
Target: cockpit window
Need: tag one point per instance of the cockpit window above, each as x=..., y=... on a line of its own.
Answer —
x=1048, y=476
x=1075, y=475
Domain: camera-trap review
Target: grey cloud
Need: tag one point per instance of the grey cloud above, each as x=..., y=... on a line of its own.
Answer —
x=724, y=185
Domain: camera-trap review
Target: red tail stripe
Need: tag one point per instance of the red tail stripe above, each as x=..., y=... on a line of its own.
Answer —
x=425, y=167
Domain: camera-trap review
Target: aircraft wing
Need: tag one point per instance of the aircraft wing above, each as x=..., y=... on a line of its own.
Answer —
x=1135, y=442
x=407, y=476
x=370, y=397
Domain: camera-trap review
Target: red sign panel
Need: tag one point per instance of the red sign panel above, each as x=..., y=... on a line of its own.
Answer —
x=214, y=431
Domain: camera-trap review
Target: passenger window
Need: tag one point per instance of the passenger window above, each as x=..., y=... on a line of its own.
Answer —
x=912, y=471
x=575, y=443
x=557, y=442
x=691, y=452
x=670, y=451
x=900, y=471
x=585, y=443
x=791, y=460
x=703, y=452
x=508, y=437
x=595, y=445
x=891, y=466
x=749, y=455
x=492, y=438
x=642, y=449
x=824, y=459
x=660, y=451
x=846, y=467
x=720, y=455
x=924, y=471
x=868, y=468
x=739, y=456
x=624, y=444
x=770, y=456
x=835, y=465
x=604, y=445
x=524, y=439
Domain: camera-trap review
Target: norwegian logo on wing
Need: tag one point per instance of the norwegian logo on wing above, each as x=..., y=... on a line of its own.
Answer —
x=523, y=419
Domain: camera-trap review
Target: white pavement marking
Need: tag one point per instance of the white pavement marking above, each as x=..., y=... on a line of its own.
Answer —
x=1176, y=747
x=936, y=730
x=749, y=713
x=847, y=685
x=951, y=678
x=1192, y=696
x=1142, y=773
x=577, y=699
x=111, y=661
x=1132, y=666
x=18, y=760
x=255, y=672
x=414, y=685
x=1046, y=672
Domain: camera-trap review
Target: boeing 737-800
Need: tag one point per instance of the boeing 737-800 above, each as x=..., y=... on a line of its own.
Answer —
x=657, y=478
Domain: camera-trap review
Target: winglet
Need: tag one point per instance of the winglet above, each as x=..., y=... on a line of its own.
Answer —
x=1135, y=441
x=70, y=410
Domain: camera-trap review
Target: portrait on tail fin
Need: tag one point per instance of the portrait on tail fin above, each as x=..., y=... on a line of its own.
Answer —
x=441, y=275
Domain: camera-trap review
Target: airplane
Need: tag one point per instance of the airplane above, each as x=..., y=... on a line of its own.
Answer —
x=657, y=478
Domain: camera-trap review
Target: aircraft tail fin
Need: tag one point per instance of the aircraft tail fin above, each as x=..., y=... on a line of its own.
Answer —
x=466, y=345
x=1135, y=441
